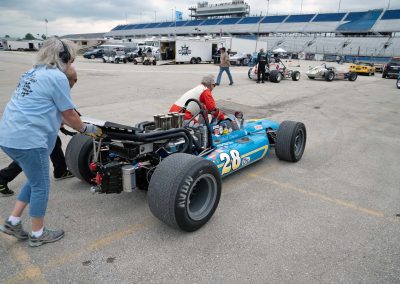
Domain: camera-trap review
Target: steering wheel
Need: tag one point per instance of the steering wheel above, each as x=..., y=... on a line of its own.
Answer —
x=215, y=120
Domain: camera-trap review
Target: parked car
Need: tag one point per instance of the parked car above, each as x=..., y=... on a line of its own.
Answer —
x=378, y=67
x=392, y=68
x=145, y=60
x=363, y=68
x=95, y=53
x=239, y=59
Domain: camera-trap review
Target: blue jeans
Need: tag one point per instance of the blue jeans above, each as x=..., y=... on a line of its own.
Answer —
x=35, y=164
x=221, y=70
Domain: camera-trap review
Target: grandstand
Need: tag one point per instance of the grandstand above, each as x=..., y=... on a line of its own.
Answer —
x=369, y=33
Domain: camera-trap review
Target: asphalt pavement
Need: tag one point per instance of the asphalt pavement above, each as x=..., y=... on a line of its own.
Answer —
x=330, y=218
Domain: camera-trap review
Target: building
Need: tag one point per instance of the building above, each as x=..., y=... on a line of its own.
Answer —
x=203, y=10
x=86, y=41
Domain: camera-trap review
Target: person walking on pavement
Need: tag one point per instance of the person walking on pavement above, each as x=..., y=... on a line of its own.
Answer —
x=224, y=67
x=262, y=61
x=28, y=133
x=57, y=157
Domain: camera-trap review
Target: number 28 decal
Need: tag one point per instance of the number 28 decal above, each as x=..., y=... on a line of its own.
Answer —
x=232, y=161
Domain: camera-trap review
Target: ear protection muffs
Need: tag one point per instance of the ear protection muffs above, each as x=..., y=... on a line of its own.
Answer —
x=64, y=55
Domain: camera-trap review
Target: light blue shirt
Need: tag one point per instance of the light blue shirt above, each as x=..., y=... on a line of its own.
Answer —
x=33, y=118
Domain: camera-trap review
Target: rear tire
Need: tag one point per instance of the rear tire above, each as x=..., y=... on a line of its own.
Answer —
x=135, y=61
x=250, y=74
x=329, y=76
x=398, y=83
x=296, y=76
x=198, y=60
x=154, y=62
x=193, y=60
x=184, y=191
x=92, y=56
x=353, y=76
x=78, y=157
x=290, y=141
x=275, y=76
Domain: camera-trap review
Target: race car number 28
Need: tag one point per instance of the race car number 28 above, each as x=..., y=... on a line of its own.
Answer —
x=232, y=161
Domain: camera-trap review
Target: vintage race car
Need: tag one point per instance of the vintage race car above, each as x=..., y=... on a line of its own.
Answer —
x=330, y=73
x=363, y=68
x=275, y=73
x=398, y=81
x=180, y=166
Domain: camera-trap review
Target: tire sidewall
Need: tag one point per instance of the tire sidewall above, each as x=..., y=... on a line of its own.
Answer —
x=182, y=196
x=299, y=127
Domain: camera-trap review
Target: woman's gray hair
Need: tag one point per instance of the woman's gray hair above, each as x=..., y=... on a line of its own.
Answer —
x=49, y=53
x=208, y=80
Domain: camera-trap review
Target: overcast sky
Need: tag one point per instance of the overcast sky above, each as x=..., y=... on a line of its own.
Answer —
x=18, y=17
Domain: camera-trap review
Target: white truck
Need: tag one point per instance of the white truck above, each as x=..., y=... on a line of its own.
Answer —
x=23, y=45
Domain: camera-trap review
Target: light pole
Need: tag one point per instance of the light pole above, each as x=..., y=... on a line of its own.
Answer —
x=155, y=16
x=267, y=7
x=340, y=2
x=388, y=4
x=301, y=7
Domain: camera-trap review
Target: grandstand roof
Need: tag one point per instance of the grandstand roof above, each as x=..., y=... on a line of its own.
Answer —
x=373, y=21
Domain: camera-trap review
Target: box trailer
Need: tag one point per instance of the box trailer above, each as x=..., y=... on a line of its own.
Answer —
x=193, y=51
x=186, y=50
x=23, y=45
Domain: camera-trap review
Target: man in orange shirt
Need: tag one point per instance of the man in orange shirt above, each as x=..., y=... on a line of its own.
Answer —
x=202, y=93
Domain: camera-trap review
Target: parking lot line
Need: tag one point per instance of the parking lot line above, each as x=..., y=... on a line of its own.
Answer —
x=19, y=254
x=35, y=273
x=99, y=243
x=339, y=202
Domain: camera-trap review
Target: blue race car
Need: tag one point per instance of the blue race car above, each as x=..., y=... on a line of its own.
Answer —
x=180, y=166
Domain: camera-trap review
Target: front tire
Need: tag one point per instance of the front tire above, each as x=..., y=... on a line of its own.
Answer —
x=290, y=141
x=296, y=76
x=92, y=56
x=184, y=191
x=398, y=83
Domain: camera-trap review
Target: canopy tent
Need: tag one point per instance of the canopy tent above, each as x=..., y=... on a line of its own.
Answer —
x=279, y=50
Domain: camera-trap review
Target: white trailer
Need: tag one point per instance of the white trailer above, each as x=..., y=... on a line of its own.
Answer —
x=243, y=45
x=23, y=45
x=193, y=51
x=185, y=50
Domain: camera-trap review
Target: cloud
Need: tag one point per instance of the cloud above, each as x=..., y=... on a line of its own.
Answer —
x=18, y=17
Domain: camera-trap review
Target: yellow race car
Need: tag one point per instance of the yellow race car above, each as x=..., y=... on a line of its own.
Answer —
x=363, y=68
